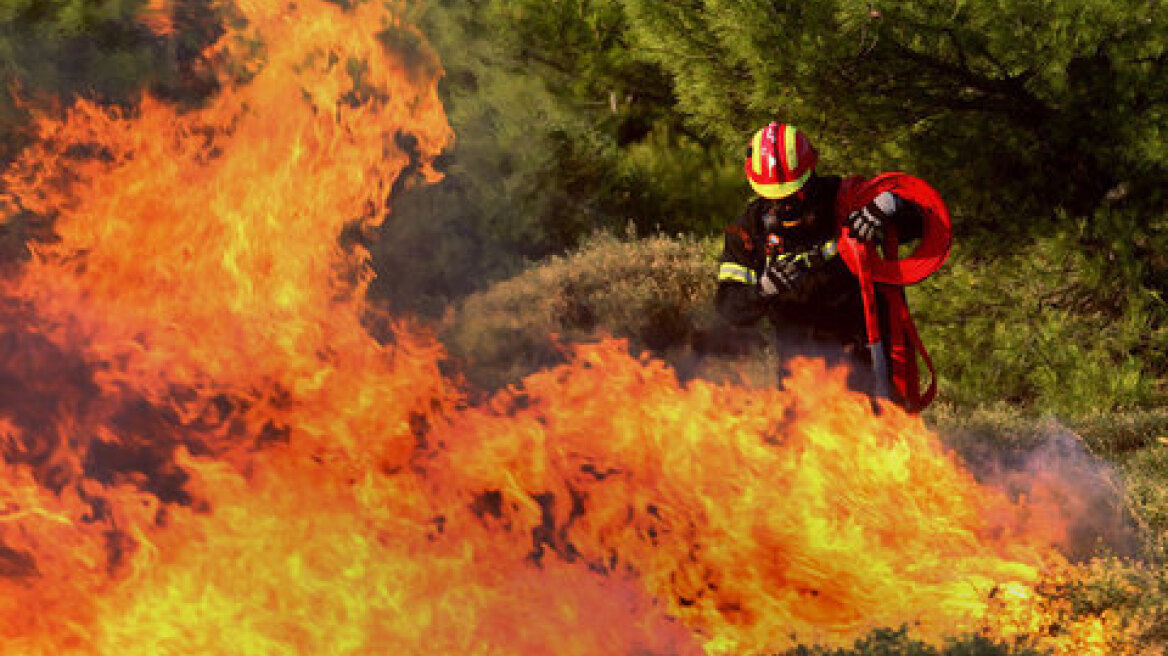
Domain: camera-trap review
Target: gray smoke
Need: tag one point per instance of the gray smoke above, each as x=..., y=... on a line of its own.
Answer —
x=1052, y=462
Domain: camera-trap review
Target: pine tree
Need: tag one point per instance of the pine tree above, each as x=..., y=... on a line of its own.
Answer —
x=1016, y=109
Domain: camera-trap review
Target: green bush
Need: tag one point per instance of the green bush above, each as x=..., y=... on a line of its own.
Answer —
x=1146, y=472
x=1050, y=326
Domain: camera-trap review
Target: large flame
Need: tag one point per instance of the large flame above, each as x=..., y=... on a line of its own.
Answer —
x=206, y=453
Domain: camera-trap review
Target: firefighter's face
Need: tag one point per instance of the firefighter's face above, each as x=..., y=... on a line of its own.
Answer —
x=795, y=210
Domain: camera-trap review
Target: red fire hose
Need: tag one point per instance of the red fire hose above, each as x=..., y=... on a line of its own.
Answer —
x=890, y=272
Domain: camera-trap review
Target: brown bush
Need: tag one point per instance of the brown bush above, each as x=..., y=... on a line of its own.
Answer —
x=657, y=292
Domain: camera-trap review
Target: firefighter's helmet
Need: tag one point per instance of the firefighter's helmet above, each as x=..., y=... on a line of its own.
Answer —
x=779, y=160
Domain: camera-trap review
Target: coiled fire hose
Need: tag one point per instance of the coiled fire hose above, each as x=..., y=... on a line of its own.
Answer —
x=885, y=274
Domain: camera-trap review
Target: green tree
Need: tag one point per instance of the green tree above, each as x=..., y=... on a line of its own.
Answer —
x=562, y=129
x=1015, y=109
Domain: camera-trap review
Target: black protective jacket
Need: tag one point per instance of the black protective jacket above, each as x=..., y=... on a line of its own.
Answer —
x=828, y=305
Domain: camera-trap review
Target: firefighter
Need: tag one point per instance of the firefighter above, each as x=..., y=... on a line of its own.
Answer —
x=781, y=258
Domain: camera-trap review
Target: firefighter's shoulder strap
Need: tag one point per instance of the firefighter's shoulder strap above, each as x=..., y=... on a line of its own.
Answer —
x=891, y=273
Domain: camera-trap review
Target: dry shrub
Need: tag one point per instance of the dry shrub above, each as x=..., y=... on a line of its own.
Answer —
x=656, y=292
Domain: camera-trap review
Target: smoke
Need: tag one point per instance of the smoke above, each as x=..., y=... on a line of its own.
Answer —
x=1052, y=469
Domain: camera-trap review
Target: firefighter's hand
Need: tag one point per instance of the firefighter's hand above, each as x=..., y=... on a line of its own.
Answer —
x=868, y=223
x=783, y=276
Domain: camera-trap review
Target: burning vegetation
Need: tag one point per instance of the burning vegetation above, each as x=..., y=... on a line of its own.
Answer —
x=205, y=451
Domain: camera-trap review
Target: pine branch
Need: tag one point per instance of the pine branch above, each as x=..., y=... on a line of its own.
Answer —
x=1022, y=105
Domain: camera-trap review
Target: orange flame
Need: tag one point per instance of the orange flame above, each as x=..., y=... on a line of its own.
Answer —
x=757, y=516
x=206, y=453
x=157, y=17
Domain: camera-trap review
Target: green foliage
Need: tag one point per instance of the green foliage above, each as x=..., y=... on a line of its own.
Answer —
x=1146, y=472
x=64, y=48
x=1047, y=327
x=1008, y=127
x=1106, y=434
x=562, y=129
x=483, y=220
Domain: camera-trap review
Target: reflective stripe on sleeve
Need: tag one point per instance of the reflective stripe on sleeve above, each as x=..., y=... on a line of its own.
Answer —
x=819, y=255
x=737, y=273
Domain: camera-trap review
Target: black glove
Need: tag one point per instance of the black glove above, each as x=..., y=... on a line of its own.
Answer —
x=868, y=223
x=784, y=275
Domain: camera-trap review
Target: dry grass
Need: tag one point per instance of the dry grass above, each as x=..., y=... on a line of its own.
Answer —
x=656, y=292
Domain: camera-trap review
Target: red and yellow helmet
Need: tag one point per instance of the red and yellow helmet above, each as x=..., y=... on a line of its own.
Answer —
x=779, y=161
